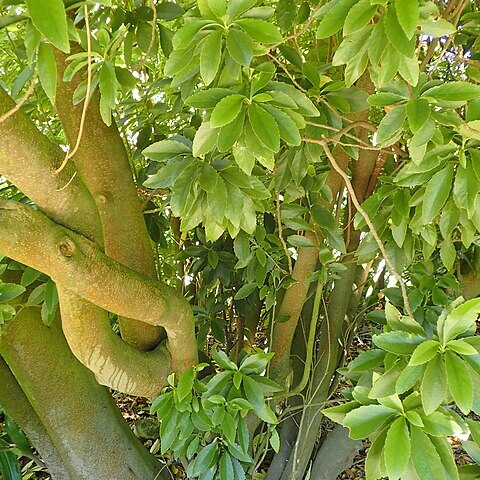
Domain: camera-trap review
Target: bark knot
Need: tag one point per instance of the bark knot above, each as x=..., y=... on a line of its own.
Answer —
x=66, y=247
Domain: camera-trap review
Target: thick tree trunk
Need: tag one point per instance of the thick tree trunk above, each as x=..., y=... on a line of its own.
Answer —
x=79, y=417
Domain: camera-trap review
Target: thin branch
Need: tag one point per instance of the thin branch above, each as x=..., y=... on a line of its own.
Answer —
x=71, y=153
x=280, y=235
x=368, y=221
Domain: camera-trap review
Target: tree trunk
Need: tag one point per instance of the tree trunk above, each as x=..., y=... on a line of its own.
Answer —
x=72, y=414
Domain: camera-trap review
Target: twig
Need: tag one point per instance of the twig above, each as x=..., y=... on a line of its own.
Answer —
x=68, y=183
x=17, y=107
x=71, y=153
x=142, y=61
x=368, y=221
x=280, y=235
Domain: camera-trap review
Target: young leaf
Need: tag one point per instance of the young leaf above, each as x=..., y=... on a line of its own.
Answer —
x=50, y=21
x=401, y=343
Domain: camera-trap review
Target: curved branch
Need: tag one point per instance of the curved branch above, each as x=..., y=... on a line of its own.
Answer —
x=102, y=161
x=28, y=236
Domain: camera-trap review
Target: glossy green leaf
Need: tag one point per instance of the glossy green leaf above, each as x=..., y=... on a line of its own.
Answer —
x=47, y=71
x=437, y=192
x=461, y=319
x=359, y=16
x=426, y=460
x=264, y=126
x=453, y=91
x=407, y=15
x=227, y=110
x=260, y=30
x=367, y=419
x=434, y=388
x=459, y=382
x=51, y=22
x=334, y=19
x=240, y=46
x=397, y=449
x=391, y=125
x=210, y=56
x=424, y=352
x=9, y=291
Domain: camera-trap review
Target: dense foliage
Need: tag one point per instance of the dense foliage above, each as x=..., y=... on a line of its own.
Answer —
x=292, y=188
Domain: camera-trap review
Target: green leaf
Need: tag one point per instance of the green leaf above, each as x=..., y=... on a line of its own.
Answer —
x=226, y=110
x=50, y=21
x=418, y=112
x=334, y=19
x=218, y=7
x=401, y=343
x=374, y=463
x=383, y=99
x=245, y=291
x=169, y=11
x=185, y=383
x=288, y=129
x=426, y=460
x=304, y=104
x=300, y=241
x=205, y=139
x=165, y=149
x=434, y=385
x=240, y=46
x=260, y=30
x=230, y=133
x=236, y=8
x=108, y=84
x=338, y=413
x=204, y=460
x=359, y=16
x=408, y=378
x=453, y=92
x=462, y=347
x=424, y=352
x=207, y=98
x=244, y=157
x=210, y=56
x=264, y=126
x=256, y=363
x=47, y=71
x=459, y=382
x=407, y=15
x=9, y=291
x=437, y=192
x=391, y=125
x=396, y=35
x=367, y=419
x=437, y=27
x=185, y=35
x=208, y=178
x=222, y=360
x=226, y=467
x=397, y=449
x=460, y=319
